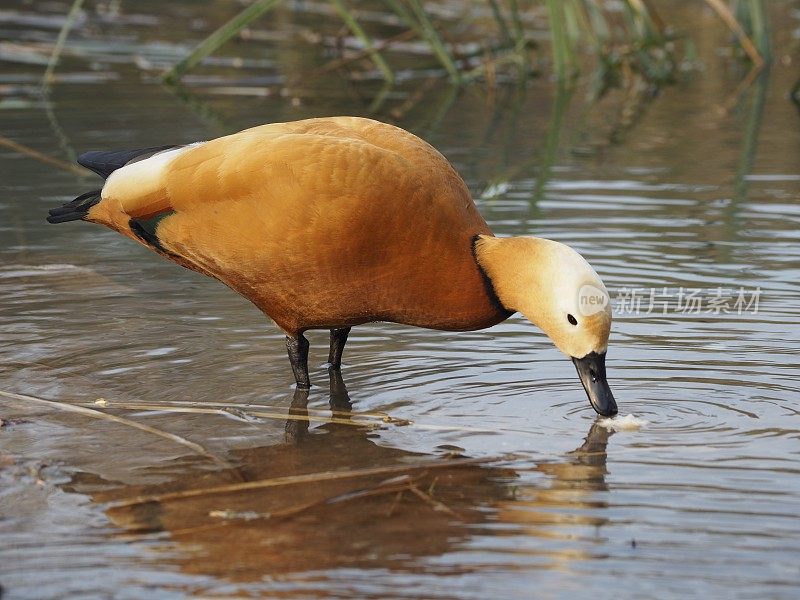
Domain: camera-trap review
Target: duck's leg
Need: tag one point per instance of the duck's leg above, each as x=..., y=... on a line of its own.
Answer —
x=297, y=348
x=338, y=340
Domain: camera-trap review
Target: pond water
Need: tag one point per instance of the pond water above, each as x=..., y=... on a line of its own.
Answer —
x=443, y=465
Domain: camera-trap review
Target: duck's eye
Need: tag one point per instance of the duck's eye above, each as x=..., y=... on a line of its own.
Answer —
x=572, y=319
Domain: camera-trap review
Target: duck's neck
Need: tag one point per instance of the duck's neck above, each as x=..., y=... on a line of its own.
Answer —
x=506, y=264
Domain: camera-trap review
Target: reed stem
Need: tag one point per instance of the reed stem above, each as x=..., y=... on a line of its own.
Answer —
x=218, y=38
x=434, y=39
x=366, y=40
x=55, y=55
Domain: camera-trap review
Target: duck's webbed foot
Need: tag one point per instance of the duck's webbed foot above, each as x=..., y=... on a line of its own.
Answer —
x=297, y=347
x=338, y=340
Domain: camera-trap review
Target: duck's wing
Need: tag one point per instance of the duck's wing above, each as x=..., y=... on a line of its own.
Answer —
x=284, y=170
x=289, y=215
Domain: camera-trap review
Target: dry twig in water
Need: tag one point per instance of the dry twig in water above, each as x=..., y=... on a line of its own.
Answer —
x=43, y=158
x=352, y=419
x=363, y=53
x=98, y=414
x=730, y=20
x=299, y=479
x=427, y=498
x=390, y=486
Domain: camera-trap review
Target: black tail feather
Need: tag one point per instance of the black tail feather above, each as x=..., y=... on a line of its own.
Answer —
x=106, y=162
x=74, y=210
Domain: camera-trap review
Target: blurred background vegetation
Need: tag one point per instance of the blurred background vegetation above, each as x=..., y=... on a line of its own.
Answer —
x=631, y=43
x=480, y=39
x=390, y=58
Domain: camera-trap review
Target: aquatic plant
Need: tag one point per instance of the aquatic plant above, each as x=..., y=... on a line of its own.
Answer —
x=619, y=38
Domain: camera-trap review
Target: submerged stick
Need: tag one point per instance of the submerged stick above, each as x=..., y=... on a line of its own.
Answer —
x=432, y=502
x=98, y=414
x=299, y=479
x=362, y=419
x=254, y=414
x=397, y=484
x=43, y=158
x=343, y=61
x=346, y=60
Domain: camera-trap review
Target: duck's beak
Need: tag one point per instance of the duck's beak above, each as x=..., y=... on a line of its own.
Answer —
x=592, y=371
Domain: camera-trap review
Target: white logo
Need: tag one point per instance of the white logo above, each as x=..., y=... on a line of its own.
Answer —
x=591, y=300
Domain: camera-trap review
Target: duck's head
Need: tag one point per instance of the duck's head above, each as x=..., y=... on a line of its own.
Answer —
x=557, y=290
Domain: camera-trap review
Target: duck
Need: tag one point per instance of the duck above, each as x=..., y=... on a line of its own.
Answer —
x=331, y=223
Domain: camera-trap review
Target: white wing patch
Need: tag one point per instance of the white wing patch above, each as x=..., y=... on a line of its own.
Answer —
x=141, y=179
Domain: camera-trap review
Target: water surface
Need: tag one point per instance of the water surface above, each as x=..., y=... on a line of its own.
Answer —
x=692, y=191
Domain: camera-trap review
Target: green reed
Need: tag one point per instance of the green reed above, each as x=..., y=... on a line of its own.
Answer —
x=582, y=32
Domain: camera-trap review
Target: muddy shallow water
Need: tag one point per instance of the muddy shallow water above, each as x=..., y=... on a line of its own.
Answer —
x=442, y=465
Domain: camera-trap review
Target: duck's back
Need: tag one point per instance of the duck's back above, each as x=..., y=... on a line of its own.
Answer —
x=321, y=223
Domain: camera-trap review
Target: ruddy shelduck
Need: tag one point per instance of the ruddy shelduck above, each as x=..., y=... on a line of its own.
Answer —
x=335, y=222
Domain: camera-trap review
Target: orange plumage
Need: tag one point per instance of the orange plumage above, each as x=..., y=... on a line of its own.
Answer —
x=321, y=223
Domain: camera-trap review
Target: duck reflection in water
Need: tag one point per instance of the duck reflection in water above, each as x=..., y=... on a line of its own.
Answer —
x=387, y=513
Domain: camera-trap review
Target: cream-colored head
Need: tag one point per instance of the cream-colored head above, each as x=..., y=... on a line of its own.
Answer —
x=553, y=286
x=556, y=289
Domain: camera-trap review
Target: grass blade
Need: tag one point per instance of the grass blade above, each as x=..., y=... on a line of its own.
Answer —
x=434, y=39
x=219, y=37
x=750, y=140
x=501, y=22
x=72, y=15
x=759, y=27
x=548, y=160
x=560, y=41
x=407, y=18
x=520, y=44
x=362, y=36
